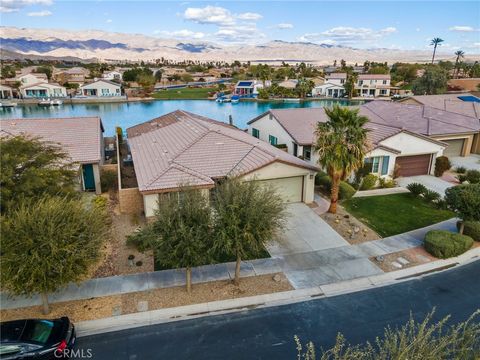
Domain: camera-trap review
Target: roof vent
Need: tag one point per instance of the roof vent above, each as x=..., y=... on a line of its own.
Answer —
x=220, y=143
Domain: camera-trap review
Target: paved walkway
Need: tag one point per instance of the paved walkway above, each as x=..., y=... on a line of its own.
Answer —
x=430, y=182
x=471, y=161
x=377, y=192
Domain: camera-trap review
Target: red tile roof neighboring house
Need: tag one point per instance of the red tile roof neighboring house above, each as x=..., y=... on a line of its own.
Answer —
x=185, y=148
x=80, y=137
x=448, y=102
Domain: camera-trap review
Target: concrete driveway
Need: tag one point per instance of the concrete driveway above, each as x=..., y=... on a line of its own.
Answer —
x=429, y=181
x=469, y=162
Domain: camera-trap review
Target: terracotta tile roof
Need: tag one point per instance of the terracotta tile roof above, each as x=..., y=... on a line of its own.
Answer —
x=374, y=77
x=80, y=137
x=449, y=102
x=185, y=148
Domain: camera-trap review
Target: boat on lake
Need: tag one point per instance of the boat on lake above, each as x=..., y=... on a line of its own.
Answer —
x=8, y=104
x=48, y=102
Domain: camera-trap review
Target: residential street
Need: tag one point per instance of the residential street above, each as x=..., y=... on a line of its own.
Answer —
x=268, y=333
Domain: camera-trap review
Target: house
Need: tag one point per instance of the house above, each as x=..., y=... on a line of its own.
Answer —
x=32, y=78
x=80, y=137
x=43, y=90
x=288, y=83
x=465, y=103
x=101, y=88
x=249, y=88
x=333, y=86
x=185, y=148
x=112, y=76
x=6, y=92
x=408, y=137
x=373, y=85
x=75, y=75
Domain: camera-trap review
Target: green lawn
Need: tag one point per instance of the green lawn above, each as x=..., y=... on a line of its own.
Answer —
x=394, y=214
x=185, y=93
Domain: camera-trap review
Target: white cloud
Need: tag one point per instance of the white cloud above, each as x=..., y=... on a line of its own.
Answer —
x=183, y=34
x=40, y=13
x=108, y=21
x=284, y=26
x=462, y=28
x=348, y=35
x=245, y=33
x=249, y=16
x=209, y=15
x=7, y=6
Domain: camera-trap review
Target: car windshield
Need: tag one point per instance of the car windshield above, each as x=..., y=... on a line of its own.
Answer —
x=38, y=331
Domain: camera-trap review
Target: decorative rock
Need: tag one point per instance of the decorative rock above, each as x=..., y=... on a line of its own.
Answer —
x=117, y=311
x=346, y=216
x=397, y=265
x=356, y=229
x=337, y=221
x=403, y=261
x=142, y=306
x=365, y=230
x=380, y=258
x=277, y=278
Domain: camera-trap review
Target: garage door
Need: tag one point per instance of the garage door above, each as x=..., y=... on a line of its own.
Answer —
x=413, y=165
x=454, y=147
x=290, y=189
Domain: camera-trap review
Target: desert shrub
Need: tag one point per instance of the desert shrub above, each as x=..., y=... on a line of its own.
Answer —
x=100, y=202
x=108, y=180
x=462, y=178
x=442, y=164
x=460, y=170
x=471, y=228
x=440, y=204
x=473, y=176
x=430, y=195
x=346, y=191
x=464, y=200
x=387, y=183
x=416, y=188
x=445, y=244
x=361, y=173
x=369, y=182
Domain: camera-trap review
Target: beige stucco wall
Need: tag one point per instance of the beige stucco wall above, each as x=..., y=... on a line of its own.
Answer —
x=467, y=145
x=270, y=126
x=96, y=176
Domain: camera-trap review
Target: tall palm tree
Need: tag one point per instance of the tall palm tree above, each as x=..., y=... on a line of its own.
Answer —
x=341, y=144
x=460, y=55
x=435, y=42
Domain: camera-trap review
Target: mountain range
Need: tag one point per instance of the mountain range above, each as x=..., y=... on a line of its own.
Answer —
x=102, y=45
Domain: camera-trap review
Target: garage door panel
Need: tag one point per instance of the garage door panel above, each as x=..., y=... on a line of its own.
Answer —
x=414, y=165
x=454, y=147
x=290, y=189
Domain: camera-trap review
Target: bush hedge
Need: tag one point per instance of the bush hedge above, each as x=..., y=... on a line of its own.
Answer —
x=442, y=164
x=460, y=169
x=387, y=183
x=430, y=195
x=471, y=228
x=473, y=176
x=368, y=182
x=345, y=192
x=416, y=188
x=445, y=244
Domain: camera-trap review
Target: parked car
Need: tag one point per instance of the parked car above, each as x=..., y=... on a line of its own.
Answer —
x=36, y=339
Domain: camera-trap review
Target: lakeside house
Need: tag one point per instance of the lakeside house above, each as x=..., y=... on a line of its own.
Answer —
x=112, y=76
x=80, y=137
x=43, y=90
x=75, y=75
x=101, y=88
x=185, y=148
x=32, y=78
x=373, y=85
x=332, y=87
x=288, y=83
x=6, y=92
x=249, y=88
x=409, y=137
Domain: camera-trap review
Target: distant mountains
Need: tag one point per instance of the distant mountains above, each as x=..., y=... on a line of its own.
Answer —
x=55, y=43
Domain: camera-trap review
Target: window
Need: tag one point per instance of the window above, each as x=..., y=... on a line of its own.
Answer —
x=295, y=149
x=379, y=164
x=360, y=82
x=307, y=152
x=272, y=140
x=375, y=164
x=342, y=81
x=256, y=133
x=384, y=82
x=105, y=91
x=385, y=162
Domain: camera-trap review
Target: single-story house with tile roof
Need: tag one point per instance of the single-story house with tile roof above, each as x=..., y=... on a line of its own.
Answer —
x=410, y=137
x=101, y=88
x=43, y=90
x=80, y=137
x=185, y=148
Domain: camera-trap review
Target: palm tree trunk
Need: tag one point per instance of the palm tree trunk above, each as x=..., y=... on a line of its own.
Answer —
x=236, y=280
x=334, y=194
x=189, y=279
x=433, y=56
x=45, y=306
x=462, y=227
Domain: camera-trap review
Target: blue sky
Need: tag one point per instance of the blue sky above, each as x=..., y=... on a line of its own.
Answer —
x=361, y=24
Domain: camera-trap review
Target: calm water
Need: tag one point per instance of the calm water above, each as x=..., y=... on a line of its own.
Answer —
x=129, y=114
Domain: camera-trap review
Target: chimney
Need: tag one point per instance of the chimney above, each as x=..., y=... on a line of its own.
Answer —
x=230, y=120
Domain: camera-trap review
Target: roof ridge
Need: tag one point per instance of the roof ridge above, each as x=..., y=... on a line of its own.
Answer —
x=239, y=161
x=444, y=122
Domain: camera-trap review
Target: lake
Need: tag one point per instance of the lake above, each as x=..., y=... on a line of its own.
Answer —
x=132, y=113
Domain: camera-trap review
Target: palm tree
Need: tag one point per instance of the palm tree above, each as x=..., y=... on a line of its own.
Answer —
x=341, y=145
x=460, y=55
x=435, y=42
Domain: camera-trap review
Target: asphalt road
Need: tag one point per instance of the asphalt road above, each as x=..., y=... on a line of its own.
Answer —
x=268, y=333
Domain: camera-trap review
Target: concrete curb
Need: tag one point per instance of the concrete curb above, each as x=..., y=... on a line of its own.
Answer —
x=122, y=322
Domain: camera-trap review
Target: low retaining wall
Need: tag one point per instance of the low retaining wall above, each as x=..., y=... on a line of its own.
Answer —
x=130, y=200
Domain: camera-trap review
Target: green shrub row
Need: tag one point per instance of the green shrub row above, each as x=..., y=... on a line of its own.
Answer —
x=472, y=176
x=445, y=244
x=346, y=191
x=471, y=228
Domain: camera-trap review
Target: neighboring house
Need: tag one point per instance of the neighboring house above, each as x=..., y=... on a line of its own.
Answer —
x=112, y=75
x=185, y=148
x=411, y=137
x=32, y=78
x=43, y=90
x=6, y=92
x=288, y=83
x=333, y=86
x=249, y=88
x=81, y=138
x=101, y=88
x=75, y=75
x=373, y=85
x=465, y=104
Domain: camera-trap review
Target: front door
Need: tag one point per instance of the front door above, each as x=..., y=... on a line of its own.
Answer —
x=88, y=178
